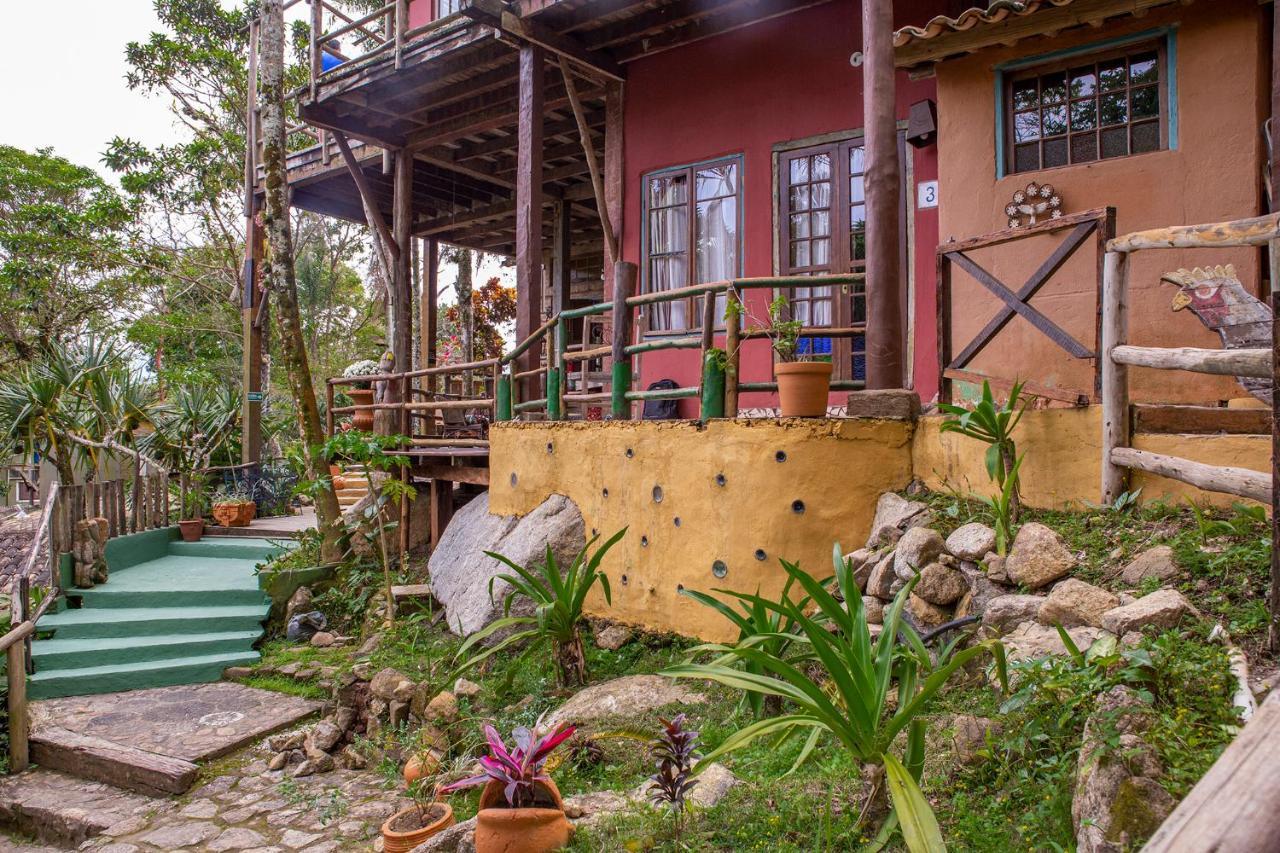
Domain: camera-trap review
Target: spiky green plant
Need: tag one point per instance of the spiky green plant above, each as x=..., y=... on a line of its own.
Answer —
x=992, y=424
x=557, y=601
x=844, y=689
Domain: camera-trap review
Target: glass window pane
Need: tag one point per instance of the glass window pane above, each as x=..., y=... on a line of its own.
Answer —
x=857, y=188
x=1144, y=102
x=1113, y=109
x=1053, y=88
x=1026, y=157
x=799, y=198
x=799, y=170
x=1055, y=152
x=1054, y=121
x=857, y=217
x=820, y=169
x=1146, y=137
x=820, y=195
x=1025, y=95
x=1115, y=142
x=717, y=236
x=1084, y=147
x=717, y=181
x=668, y=190
x=1112, y=74
x=821, y=223
x=800, y=253
x=820, y=252
x=1083, y=82
x=857, y=160
x=1084, y=115
x=1026, y=126
x=820, y=311
x=1143, y=68
x=799, y=225
x=668, y=230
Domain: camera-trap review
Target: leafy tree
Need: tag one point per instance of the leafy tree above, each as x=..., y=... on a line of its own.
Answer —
x=69, y=261
x=493, y=306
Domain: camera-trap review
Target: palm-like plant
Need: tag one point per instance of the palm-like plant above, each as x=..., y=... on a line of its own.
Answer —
x=848, y=694
x=993, y=425
x=557, y=600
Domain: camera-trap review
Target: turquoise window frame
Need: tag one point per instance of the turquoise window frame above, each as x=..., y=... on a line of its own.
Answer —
x=1168, y=34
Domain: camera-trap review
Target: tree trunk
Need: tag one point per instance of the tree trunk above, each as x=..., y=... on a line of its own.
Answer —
x=280, y=278
x=571, y=660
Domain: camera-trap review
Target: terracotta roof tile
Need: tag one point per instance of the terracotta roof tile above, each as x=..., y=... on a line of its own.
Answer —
x=993, y=13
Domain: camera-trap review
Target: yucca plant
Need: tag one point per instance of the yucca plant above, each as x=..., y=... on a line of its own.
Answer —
x=776, y=630
x=557, y=600
x=1003, y=508
x=844, y=689
x=993, y=425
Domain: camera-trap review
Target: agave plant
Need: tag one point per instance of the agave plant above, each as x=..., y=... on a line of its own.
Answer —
x=844, y=690
x=993, y=425
x=520, y=769
x=557, y=600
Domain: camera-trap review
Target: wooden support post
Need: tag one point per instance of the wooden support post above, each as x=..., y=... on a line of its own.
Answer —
x=430, y=296
x=883, y=180
x=613, y=177
x=1273, y=629
x=441, y=510
x=732, y=347
x=317, y=31
x=1115, y=376
x=624, y=282
x=589, y=151
x=15, y=659
x=529, y=209
x=402, y=273
x=251, y=322
x=561, y=252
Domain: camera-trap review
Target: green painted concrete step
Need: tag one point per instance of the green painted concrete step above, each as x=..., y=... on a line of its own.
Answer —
x=134, y=676
x=56, y=654
x=145, y=622
x=238, y=547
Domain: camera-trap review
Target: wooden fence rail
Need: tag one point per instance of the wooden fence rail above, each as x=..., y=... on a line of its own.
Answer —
x=1118, y=458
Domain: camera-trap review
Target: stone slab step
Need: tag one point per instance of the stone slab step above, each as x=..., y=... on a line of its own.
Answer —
x=85, y=681
x=61, y=810
x=58, y=653
x=88, y=623
x=98, y=760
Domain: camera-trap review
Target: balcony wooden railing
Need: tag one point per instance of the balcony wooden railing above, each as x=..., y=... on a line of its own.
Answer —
x=546, y=393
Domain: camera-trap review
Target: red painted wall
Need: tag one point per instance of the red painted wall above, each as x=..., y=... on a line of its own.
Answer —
x=421, y=12
x=741, y=93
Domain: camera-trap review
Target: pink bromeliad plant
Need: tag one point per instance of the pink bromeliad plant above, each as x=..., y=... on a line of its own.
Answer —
x=520, y=769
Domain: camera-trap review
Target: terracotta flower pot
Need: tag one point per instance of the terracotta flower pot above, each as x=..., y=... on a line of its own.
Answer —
x=192, y=529
x=335, y=470
x=803, y=387
x=500, y=829
x=234, y=513
x=363, y=418
x=402, y=841
x=422, y=764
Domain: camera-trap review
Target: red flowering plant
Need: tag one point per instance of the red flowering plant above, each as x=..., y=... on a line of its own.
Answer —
x=520, y=769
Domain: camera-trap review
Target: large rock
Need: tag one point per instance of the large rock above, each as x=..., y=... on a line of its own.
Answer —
x=460, y=570
x=862, y=561
x=925, y=614
x=1117, y=801
x=1031, y=640
x=1154, y=562
x=1038, y=557
x=982, y=591
x=714, y=782
x=917, y=548
x=459, y=838
x=969, y=737
x=941, y=585
x=874, y=608
x=880, y=581
x=1005, y=612
x=626, y=696
x=971, y=541
x=894, y=516
x=1073, y=603
x=1163, y=608
x=391, y=684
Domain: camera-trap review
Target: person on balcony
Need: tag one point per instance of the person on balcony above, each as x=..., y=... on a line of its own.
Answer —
x=331, y=55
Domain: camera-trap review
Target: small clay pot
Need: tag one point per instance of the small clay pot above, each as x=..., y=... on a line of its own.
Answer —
x=803, y=387
x=335, y=470
x=422, y=764
x=395, y=841
x=362, y=419
x=191, y=529
x=501, y=829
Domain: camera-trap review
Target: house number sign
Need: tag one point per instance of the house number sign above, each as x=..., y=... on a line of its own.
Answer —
x=926, y=195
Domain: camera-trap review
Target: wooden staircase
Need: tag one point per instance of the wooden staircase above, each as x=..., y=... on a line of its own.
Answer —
x=354, y=482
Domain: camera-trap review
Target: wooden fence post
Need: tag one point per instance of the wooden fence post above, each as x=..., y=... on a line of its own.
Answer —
x=1115, y=376
x=15, y=657
x=732, y=345
x=624, y=282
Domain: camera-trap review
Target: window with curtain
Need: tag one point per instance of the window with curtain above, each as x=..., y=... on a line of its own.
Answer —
x=449, y=7
x=692, y=237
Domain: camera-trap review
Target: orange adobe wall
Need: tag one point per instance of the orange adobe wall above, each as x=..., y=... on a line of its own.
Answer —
x=1212, y=175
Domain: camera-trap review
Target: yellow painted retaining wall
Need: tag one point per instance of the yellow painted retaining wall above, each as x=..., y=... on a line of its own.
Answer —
x=836, y=468
x=662, y=480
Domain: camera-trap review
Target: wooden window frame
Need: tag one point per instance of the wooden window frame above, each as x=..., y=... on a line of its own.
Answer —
x=1084, y=57
x=439, y=6
x=693, y=305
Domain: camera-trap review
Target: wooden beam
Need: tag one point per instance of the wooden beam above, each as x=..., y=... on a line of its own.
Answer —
x=1199, y=420
x=531, y=31
x=561, y=250
x=1257, y=231
x=589, y=152
x=883, y=180
x=379, y=225
x=401, y=277
x=1240, y=482
x=1220, y=362
x=529, y=207
x=614, y=178
x=748, y=14
x=436, y=470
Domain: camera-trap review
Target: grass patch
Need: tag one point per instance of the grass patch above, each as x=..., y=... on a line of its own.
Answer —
x=284, y=684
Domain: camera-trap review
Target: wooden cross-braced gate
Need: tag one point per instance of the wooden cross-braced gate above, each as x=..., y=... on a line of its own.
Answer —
x=1099, y=224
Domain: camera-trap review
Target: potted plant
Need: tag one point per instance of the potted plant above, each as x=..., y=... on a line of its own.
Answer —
x=520, y=807
x=410, y=827
x=233, y=508
x=191, y=499
x=361, y=393
x=803, y=383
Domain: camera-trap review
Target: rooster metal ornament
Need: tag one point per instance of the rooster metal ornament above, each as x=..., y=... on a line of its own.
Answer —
x=1242, y=321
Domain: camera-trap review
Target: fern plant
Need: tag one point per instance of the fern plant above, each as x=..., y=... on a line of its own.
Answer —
x=557, y=602
x=844, y=690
